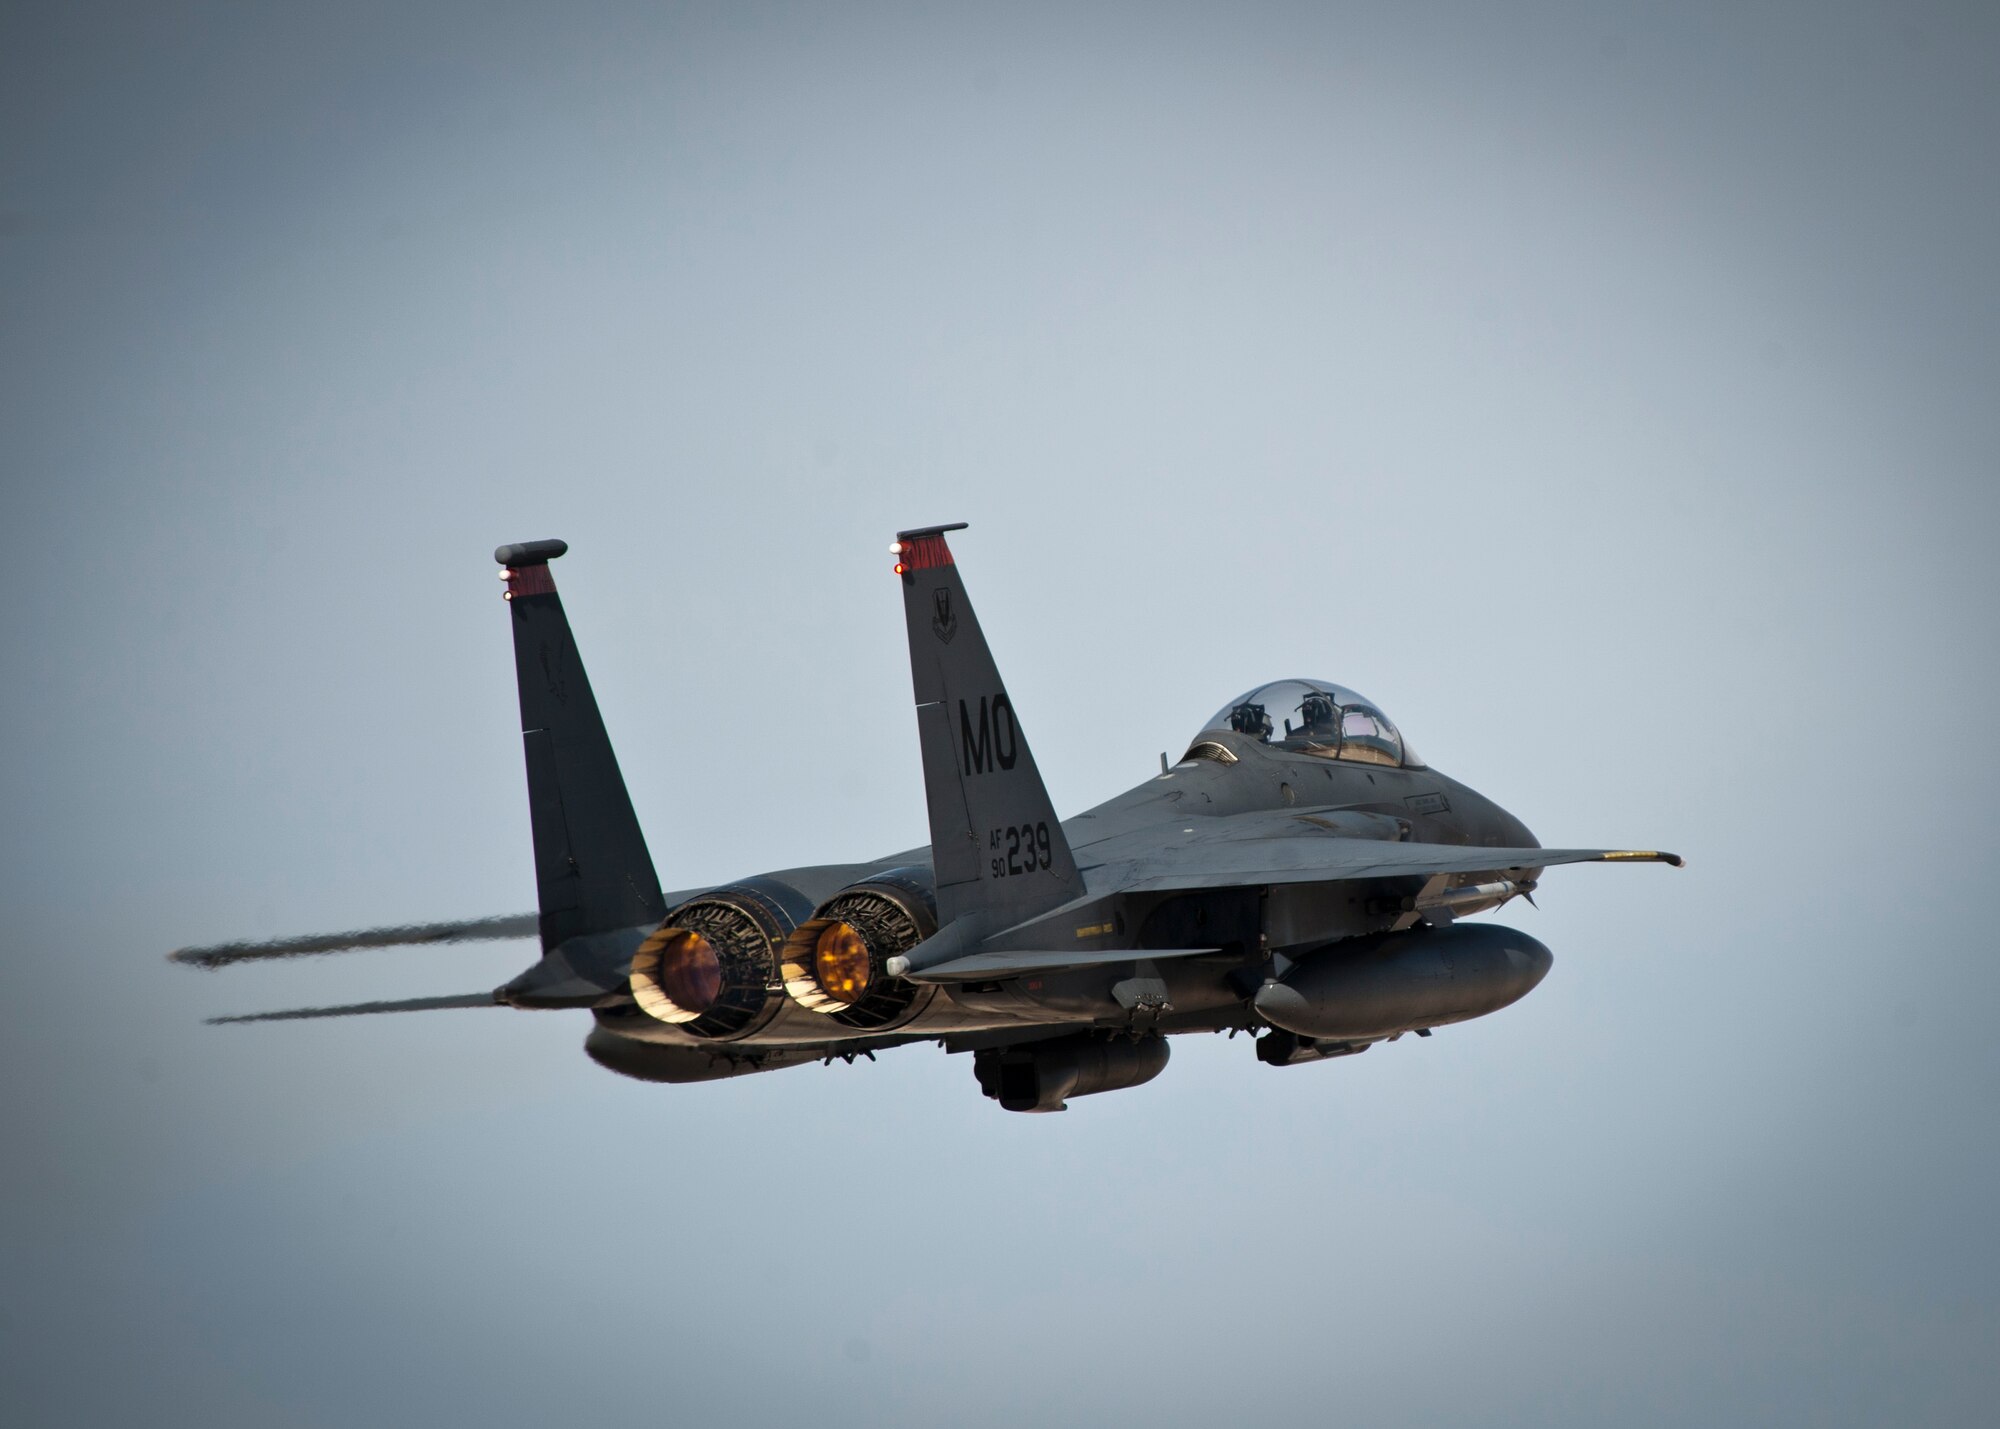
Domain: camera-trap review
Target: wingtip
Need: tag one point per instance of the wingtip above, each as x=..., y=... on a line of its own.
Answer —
x=1644, y=855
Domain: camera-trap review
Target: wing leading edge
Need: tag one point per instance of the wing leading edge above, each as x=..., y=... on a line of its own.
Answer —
x=1299, y=860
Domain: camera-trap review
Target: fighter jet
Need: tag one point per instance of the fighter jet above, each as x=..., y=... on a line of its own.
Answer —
x=1300, y=875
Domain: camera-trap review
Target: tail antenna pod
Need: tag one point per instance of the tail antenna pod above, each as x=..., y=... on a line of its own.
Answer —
x=525, y=566
x=592, y=870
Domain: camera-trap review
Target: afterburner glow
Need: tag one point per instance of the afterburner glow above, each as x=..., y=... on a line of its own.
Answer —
x=840, y=957
x=676, y=975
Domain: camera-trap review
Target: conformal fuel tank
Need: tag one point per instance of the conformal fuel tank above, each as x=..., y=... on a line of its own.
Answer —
x=1360, y=989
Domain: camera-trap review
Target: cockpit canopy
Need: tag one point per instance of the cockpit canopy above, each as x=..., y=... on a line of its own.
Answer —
x=1311, y=717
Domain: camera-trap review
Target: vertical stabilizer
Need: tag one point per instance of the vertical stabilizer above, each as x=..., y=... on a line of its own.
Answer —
x=592, y=870
x=996, y=844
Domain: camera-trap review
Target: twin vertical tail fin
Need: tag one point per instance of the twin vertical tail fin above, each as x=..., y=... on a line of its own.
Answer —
x=592, y=870
x=996, y=845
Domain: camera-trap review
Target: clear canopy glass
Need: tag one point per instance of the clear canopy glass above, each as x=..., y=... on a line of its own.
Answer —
x=1319, y=718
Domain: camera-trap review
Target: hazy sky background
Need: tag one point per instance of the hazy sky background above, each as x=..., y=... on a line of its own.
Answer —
x=1607, y=391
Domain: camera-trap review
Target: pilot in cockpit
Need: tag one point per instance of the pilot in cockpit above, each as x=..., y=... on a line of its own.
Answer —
x=1251, y=719
x=1320, y=719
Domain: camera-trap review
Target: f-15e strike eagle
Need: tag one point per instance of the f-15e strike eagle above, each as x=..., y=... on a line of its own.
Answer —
x=1300, y=874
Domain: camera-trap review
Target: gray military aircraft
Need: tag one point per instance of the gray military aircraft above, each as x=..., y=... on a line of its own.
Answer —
x=1300, y=874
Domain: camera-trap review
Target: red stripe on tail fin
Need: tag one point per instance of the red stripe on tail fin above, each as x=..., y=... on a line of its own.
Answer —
x=925, y=553
x=528, y=580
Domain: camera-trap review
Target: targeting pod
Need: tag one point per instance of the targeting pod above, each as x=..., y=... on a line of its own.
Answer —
x=710, y=967
x=835, y=961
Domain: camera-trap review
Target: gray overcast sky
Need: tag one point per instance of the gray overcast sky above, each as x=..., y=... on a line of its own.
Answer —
x=1608, y=391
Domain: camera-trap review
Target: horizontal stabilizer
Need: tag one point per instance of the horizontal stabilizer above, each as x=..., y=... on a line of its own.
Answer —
x=362, y=1009
x=471, y=930
x=983, y=967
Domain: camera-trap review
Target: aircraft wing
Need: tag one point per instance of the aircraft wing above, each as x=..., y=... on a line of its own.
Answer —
x=1204, y=864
